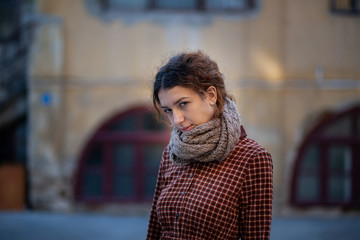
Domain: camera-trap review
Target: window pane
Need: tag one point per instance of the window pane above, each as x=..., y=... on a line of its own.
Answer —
x=176, y=4
x=343, y=4
x=339, y=128
x=20, y=143
x=152, y=158
x=346, y=5
x=125, y=124
x=339, y=189
x=8, y=17
x=150, y=123
x=340, y=163
x=150, y=182
x=311, y=159
x=340, y=159
x=308, y=188
x=95, y=156
x=92, y=185
x=124, y=185
x=227, y=4
x=124, y=156
x=152, y=155
x=128, y=4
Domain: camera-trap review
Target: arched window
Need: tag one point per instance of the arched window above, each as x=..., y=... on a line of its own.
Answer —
x=327, y=170
x=121, y=161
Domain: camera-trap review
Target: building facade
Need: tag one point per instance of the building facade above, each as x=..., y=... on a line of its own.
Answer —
x=292, y=66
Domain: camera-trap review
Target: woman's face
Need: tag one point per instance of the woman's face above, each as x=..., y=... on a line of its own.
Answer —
x=185, y=108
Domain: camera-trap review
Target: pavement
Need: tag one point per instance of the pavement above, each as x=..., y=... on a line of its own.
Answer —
x=30, y=225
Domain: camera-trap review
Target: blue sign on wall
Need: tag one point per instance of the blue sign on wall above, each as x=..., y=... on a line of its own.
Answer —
x=46, y=99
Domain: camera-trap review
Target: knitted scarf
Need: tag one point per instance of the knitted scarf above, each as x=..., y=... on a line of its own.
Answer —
x=207, y=142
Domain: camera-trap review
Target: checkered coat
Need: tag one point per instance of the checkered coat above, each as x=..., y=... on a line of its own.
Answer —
x=228, y=200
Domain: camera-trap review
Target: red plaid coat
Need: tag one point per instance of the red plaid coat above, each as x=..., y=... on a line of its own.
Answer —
x=227, y=200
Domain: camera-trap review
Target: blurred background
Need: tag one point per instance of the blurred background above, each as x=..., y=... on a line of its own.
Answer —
x=77, y=130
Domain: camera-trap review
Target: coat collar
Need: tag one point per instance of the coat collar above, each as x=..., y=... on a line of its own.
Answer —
x=243, y=132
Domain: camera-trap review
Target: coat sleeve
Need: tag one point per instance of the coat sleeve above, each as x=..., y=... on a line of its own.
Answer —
x=256, y=205
x=154, y=228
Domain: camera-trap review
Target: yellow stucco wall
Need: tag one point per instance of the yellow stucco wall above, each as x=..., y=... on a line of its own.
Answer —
x=283, y=40
x=284, y=63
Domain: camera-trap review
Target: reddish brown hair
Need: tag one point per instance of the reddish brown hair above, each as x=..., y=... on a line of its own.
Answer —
x=193, y=70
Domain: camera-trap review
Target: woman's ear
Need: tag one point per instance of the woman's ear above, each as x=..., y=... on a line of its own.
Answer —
x=211, y=94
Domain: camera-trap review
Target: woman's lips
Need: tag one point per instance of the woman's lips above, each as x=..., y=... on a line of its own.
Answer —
x=185, y=129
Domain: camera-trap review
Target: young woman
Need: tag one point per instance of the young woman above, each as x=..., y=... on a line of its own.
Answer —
x=213, y=181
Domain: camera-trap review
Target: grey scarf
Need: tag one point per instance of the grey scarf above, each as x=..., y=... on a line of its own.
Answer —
x=211, y=141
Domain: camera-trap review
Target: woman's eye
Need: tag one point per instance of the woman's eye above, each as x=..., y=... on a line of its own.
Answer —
x=167, y=110
x=183, y=104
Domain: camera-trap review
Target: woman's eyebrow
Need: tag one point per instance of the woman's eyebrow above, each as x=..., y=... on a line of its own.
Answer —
x=176, y=102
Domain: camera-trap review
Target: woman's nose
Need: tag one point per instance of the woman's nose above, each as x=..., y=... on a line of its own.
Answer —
x=178, y=117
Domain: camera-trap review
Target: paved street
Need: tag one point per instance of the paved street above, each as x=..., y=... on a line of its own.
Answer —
x=48, y=226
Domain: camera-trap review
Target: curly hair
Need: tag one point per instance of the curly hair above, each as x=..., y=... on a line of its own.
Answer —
x=193, y=70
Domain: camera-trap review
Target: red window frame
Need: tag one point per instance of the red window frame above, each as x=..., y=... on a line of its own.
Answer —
x=316, y=138
x=138, y=138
